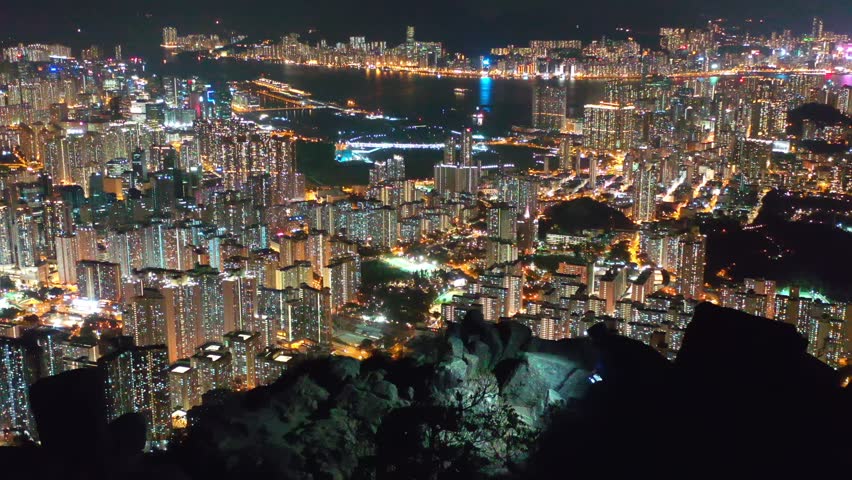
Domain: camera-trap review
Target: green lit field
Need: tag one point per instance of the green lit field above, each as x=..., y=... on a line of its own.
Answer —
x=447, y=296
x=410, y=265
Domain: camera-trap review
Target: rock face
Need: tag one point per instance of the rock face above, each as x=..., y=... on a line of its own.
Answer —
x=312, y=423
x=531, y=375
x=742, y=392
x=322, y=418
x=542, y=379
x=489, y=400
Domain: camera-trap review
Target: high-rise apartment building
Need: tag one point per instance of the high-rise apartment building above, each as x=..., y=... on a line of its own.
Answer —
x=645, y=193
x=458, y=173
x=608, y=127
x=17, y=372
x=145, y=319
x=170, y=37
x=136, y=379
x=549, y=107
x=690, y=271
x=99, y=280
x=244, y=348
x=343, y=278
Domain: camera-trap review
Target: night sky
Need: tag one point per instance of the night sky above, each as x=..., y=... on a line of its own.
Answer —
x=463, y=25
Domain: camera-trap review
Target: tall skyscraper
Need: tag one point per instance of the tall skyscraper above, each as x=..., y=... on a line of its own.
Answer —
x=136, y=379
x=608, y=126
x=66, y=258
x=762, y=286
x=99, y=280
x=17, y=372
x=844, y=100
x=690, y=271
x=816, y=28
x=310, y=318
x=751, y=156
x=6, y=252
x=183, y=386
x=125, y=247
x=387, y=234
x=239, y=293
x=24, y=235
x=49, y=345
x=527, y=228
x=273, y=311
x=170, y=37
x=209, y=303
x=289, y=277
x=458, y=173
x=499, y=252
x=458, y=149
x=391, y=170
x=294, y=314
x=501, y=222
x=87, y=243
x=645, y=193
x=212, y=365
x=282, y=169
x=521, y=191
x=244, y=348
x=146, y=318
x=271, y=363
x=183, y=317
x=549, y=107
x=343, y=278
x=568, y=154
x=593, y=172
x=456, y=179
x=612, y=286
x=318, y=250
x=465, y=148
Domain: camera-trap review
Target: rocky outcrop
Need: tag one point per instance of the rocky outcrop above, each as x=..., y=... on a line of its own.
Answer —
x=742, y=398
x=488, y=400
x=315, y=423
x=532, y=373
x=321, y=419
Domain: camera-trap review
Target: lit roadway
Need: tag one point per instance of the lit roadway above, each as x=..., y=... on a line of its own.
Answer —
x=435, y=146
x=271, y=109
x=755, y=211
x=403, y=146
x=294, y=99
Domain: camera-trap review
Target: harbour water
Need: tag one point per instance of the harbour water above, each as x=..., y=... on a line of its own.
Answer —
x=435, y=105
x=429, y=100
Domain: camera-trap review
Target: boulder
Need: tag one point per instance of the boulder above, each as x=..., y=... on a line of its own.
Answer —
x=475, y=330
x=535, y=380
x=386, y=390
x=514, y=337
x=344, y=368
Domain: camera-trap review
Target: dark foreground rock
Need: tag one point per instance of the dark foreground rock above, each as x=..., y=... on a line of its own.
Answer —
x=491, y=401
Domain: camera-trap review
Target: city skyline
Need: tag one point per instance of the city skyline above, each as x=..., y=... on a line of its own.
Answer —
x=474, y=30
x=352, y=255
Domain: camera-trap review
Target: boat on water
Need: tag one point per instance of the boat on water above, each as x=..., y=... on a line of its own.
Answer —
x=460, y=91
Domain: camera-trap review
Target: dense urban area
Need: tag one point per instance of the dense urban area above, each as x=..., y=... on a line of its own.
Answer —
x=186, y=235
